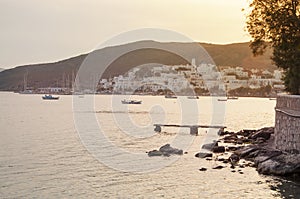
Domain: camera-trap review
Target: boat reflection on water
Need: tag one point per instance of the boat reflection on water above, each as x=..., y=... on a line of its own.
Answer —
x=171, y=96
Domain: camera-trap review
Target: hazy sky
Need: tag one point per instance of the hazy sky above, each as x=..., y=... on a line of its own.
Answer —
x=34, y=31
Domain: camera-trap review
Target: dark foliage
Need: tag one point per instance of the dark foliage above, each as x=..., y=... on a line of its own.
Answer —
x=276, y=24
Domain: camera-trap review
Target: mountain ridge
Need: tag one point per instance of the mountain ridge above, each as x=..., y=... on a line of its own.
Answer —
x=52, y=74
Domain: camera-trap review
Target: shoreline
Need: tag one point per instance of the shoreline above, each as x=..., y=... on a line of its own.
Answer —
x=136, y=94
x=254, y=148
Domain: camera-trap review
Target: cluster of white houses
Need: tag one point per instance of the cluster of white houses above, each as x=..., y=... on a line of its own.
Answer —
x=180, y=77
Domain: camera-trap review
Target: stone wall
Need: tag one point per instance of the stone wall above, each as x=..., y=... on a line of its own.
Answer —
x=287, y=124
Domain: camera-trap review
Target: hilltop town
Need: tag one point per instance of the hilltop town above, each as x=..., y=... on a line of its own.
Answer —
x=203, y=79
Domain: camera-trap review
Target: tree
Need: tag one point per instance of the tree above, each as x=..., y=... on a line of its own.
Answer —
x=276, y=24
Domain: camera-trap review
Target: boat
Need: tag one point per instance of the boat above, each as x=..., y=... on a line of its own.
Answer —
x=232, y=98
x=25, y=89
x=26, y=92
x=131, y=101
x=222, y=99
x=272, y=98
x=171, y=96
x=49, y=97
x=193, y=97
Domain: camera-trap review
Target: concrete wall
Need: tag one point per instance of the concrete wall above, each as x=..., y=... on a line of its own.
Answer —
x=287, y=124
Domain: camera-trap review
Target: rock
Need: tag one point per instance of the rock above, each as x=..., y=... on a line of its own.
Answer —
x=222, y=133
x=239, y=141
x=246, y=140
x=209, y=146
x=234, y=159
x=244, y=152
x=208, y=159
x=219, y=167
x=245, y=132
x=221, y=159
x=261, y=134
x=259, y=140
x=231, y=137
x=203, y=169
x=170, y=150
x=283, y=164
x=253, y=154
x=155, y=153
x=218, y=149
x=165, y=150
x=232, y=148
x=230, y=141
x=266, y=154
x=268, y=129
x=203, y=155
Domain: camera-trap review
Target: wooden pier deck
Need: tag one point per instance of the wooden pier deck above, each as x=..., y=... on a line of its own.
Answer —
x=193, y=128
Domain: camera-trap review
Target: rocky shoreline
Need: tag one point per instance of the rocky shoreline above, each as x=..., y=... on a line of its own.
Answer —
x=257, y=148
x=246, y=148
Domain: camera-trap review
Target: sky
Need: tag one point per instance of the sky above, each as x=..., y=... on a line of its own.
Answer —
x=39, y=31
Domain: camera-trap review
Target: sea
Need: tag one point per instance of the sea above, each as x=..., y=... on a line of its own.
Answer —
x=93, y=146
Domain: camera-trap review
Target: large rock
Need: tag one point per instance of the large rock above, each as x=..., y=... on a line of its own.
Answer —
x=265, y=154
x=170, y=150
x=244, y=152
x=203, y=155
x=209, y=146
x=219, y=149
x=245, y=132
x=155, y=153
x=165, y=150
x=261, y=134
x=283, y=164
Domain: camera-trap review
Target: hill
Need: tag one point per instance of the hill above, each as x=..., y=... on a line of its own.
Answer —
x=58, y=73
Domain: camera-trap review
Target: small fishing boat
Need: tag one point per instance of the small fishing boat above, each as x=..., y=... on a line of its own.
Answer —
x=193, y=97
x=50, y=97
x=232, y=98
x=222, y=99
x=131, y=101
x=272, y=98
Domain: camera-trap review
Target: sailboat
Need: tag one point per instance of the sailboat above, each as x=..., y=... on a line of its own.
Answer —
x=25, y=90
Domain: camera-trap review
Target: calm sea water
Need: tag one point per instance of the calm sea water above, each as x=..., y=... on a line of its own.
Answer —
x=43, y=156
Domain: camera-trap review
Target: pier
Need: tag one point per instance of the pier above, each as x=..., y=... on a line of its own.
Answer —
x=193, y=128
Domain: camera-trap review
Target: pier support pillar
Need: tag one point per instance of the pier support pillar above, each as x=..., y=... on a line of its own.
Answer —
x=194, y=130
x=157, y=129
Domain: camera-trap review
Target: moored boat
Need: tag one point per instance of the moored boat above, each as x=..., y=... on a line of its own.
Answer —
x=131, y=101
x=232, y=98
x=50, y=97
x=193, y=97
